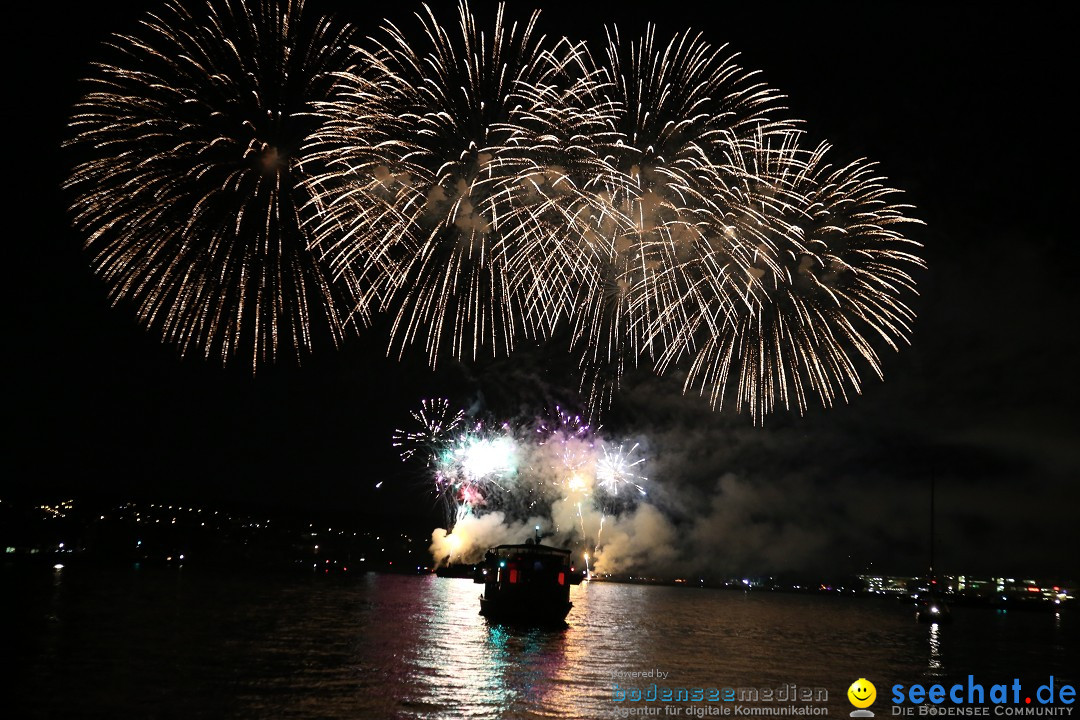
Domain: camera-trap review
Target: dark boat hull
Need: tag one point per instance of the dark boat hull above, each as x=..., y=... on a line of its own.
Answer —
x=517, y=612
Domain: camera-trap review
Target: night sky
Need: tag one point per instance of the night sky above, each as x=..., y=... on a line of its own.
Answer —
x=965, y=112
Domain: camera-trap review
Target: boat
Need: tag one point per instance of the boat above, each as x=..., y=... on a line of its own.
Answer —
x=526, y=584
x=932, y=607
x=455, y=570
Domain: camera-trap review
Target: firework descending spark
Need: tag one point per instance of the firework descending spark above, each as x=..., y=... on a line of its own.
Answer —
x=499, y=480
x=188, y=190
x=652, y=203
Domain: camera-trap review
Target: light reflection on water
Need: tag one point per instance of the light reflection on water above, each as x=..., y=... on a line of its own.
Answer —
x=183, y=645
x=934, y=667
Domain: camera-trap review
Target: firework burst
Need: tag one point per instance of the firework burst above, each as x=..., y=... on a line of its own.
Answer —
x=433, y=426
x=619, y=468
x=820, y=274
x=431, y=142
x=189, y=191
x=676, y=107
x=474, y=468
x=558, y=472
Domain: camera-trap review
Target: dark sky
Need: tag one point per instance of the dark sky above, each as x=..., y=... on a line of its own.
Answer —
x=965, y=111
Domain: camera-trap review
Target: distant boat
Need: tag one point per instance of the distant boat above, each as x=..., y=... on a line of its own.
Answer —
x=455, y=570
x=932, y=608
x=526, y=584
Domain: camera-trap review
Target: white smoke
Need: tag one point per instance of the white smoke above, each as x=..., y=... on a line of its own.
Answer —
x=474, y=534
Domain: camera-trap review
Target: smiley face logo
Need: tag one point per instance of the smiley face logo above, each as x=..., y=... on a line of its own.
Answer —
x=862, y=693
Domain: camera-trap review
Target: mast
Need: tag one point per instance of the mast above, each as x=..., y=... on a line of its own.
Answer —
x=931, y=526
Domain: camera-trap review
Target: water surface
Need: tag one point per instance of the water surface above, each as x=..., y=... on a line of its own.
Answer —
x=179, y=644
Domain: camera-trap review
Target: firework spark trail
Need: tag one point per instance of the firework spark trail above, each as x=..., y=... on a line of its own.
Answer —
x=188, y=191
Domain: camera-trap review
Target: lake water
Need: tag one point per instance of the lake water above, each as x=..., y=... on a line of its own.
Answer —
x=177, y=644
